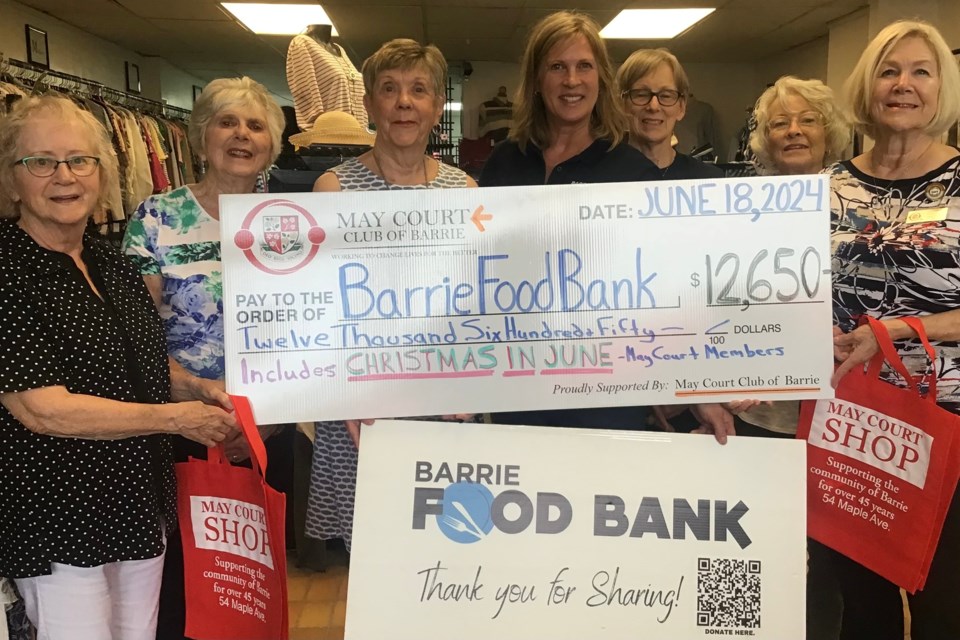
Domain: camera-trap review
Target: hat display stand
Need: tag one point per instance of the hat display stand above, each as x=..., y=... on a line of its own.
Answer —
x=335, y=137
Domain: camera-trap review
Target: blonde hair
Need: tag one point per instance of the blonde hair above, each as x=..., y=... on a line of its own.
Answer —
x=66, y=110
x=404, y=53
x=859, y=86
x=820, y=98
x=644, y=61
x=608, y=119
x=225, y=93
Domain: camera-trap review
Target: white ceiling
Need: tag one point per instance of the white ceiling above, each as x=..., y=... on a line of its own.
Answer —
x=199, y=37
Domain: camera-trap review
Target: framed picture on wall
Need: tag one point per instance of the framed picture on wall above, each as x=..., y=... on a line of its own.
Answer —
x=197, y=90
x=133, y=77
x=37, y=52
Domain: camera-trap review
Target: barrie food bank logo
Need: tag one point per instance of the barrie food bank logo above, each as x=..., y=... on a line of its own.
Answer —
x=279, y=237
x=470, y=501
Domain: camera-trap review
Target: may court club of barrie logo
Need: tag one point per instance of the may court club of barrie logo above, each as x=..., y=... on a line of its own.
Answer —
x=279, y=237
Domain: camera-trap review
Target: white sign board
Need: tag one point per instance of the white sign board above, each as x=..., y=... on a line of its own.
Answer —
x=485, y=531
x=475, y=300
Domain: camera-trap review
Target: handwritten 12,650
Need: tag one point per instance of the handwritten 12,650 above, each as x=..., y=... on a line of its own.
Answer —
x=786, y=275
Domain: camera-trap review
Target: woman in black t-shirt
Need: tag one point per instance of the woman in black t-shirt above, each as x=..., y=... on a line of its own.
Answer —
x=569, y=127
x=654, y=89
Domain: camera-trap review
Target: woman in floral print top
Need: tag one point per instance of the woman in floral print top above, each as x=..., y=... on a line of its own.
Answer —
x=174, y=239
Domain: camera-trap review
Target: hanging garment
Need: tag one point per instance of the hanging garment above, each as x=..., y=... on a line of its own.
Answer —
x=322, y=81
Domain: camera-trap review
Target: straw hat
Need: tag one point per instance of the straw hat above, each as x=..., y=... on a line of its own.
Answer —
x=333, y=127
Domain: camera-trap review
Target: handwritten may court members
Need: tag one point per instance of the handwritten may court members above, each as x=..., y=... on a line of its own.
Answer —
x=87, y=467
x=894, y=231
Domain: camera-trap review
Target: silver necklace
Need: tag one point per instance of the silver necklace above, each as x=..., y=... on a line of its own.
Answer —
x=383, y=176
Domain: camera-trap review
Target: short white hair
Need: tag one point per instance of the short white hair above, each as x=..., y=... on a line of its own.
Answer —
x=820, y=98
x=224, y=93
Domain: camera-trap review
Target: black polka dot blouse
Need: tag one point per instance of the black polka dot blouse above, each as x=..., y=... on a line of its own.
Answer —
x=79, y=502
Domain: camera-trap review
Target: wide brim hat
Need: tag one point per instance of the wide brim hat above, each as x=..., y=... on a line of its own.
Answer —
x=333, y=128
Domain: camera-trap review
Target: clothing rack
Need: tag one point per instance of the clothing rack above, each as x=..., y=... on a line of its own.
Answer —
x=133, y=123
x=41, y=79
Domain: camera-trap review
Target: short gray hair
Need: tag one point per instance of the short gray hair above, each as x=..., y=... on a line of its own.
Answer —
x=644, y=61
x=820, y=98
x=12, y=127
x=404, y=53
x=223, y=93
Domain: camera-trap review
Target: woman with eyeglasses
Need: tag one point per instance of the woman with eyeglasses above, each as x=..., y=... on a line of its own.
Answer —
x=799, y=128
x=85, y=412
x=654, y=88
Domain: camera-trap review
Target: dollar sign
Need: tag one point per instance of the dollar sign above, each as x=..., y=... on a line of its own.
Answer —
x=694, y=279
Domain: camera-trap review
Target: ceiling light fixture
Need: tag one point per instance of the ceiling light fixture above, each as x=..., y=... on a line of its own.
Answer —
x=277, y=19
x=652, y=24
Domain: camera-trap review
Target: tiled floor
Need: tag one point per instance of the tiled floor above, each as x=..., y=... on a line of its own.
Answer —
x=318, y=601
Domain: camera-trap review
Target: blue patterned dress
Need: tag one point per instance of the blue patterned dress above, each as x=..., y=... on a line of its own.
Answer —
x=333, y=476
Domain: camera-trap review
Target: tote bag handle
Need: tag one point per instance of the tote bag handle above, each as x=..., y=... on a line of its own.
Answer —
x=258, y=451
x=889, y=353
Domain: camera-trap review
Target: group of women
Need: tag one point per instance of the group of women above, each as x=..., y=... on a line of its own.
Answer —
x=112, y=367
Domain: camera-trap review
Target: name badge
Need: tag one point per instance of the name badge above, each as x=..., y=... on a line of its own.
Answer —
x=927, y=215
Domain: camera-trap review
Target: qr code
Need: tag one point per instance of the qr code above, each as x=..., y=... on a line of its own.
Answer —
x=728, y=593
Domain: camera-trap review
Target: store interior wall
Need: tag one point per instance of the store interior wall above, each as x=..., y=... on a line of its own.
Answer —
x=481, y=85
x=729, y=87
x=79, y=53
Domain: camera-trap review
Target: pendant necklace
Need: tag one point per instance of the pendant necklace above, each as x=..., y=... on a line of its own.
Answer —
x=383, y=176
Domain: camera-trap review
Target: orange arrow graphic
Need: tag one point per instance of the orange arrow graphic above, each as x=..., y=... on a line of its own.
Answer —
x=478, y=217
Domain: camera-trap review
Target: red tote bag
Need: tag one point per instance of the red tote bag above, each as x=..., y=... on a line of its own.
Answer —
x=883, y=463
x=233, y=544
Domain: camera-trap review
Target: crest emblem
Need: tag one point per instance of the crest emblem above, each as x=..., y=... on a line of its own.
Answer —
x=281, y=233
x=279, y=248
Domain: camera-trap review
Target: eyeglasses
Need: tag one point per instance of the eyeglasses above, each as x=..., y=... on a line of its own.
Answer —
x=45, y=166
x=642, y=97
x=807, y=120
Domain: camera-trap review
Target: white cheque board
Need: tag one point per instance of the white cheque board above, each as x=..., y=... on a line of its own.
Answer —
x=485, y=531
x=472, y=300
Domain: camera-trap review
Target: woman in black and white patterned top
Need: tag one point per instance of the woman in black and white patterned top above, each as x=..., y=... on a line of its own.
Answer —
x=85, y=468
x=404, y=85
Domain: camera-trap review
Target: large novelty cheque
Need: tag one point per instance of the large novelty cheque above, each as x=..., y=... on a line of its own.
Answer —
x=474, y=300
x=559, y=534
